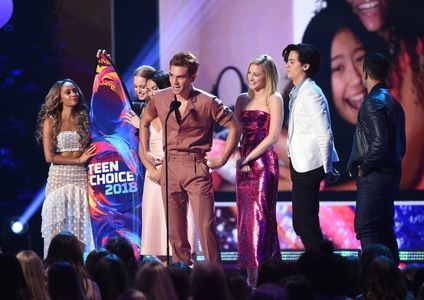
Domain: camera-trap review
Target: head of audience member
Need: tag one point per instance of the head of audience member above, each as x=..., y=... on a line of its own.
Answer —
x=237, y=287
x=418, y=282
x=157, y=81
x=120, y=246
x=140, y=79
x=207, y=281
x=149, y=259
x=327, y=272
x=92, y=260
x=368, y=254
x=33, y=271
x=343, y=43
x=297, y=287
x=272, y=271
x=270, y=291
x=183, y=68
x=180, y=276
x=13, y=285
x=154, y=281
x=348, y=282
x=132, y=295
x=420, y=295
x=66, y=247
x=262, y=73
x=111, y=276
x=382, y=280
x=63, y=282
x=408, y=274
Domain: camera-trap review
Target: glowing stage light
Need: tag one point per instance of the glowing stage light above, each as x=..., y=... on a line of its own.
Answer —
x=17, y=227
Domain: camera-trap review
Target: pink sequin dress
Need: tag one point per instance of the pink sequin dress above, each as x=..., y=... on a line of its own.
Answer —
x=257, y=195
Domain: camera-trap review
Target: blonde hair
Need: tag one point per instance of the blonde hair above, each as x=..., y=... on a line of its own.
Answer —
x=34, y=275
x=52, y=108
x=272, y=77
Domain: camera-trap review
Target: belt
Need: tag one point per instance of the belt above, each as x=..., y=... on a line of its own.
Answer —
x=188, y=156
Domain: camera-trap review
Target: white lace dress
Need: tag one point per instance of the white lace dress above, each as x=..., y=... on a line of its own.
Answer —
x=66, y=205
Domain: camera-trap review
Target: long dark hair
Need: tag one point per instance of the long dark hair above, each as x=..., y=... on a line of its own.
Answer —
x=154, y=281
x=161, y=78
x=64, y=283
x=383, y=281
x=52, y=108
x=13, y=285
x=66, y=247
x=208, y=282
x=111, y=276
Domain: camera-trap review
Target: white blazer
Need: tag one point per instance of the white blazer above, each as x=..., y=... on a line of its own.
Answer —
x=310, y=142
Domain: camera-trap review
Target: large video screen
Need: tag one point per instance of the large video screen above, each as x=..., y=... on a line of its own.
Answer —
x=227, y=35
x=336, y=219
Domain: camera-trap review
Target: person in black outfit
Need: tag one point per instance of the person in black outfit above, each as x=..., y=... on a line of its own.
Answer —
x=376, y=158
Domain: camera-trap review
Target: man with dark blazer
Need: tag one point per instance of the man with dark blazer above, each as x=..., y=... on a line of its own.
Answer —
x=376, y=158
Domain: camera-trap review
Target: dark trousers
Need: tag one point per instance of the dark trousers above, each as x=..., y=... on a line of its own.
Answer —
x=305, y=198
x=374, y=216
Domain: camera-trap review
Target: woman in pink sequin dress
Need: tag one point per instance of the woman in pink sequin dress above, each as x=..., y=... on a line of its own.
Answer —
x=260, y=112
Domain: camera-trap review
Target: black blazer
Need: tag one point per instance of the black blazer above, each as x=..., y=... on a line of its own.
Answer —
x=379, y=141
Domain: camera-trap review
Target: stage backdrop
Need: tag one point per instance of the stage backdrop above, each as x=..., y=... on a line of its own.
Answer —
x=226, y=35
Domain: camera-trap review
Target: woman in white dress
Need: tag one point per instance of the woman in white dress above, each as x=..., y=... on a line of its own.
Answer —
x=64, y=131
x=153, y=214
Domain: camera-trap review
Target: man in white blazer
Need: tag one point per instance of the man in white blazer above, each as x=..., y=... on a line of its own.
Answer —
x=310, y=143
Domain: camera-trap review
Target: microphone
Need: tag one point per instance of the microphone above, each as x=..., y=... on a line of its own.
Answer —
x=173, y=106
